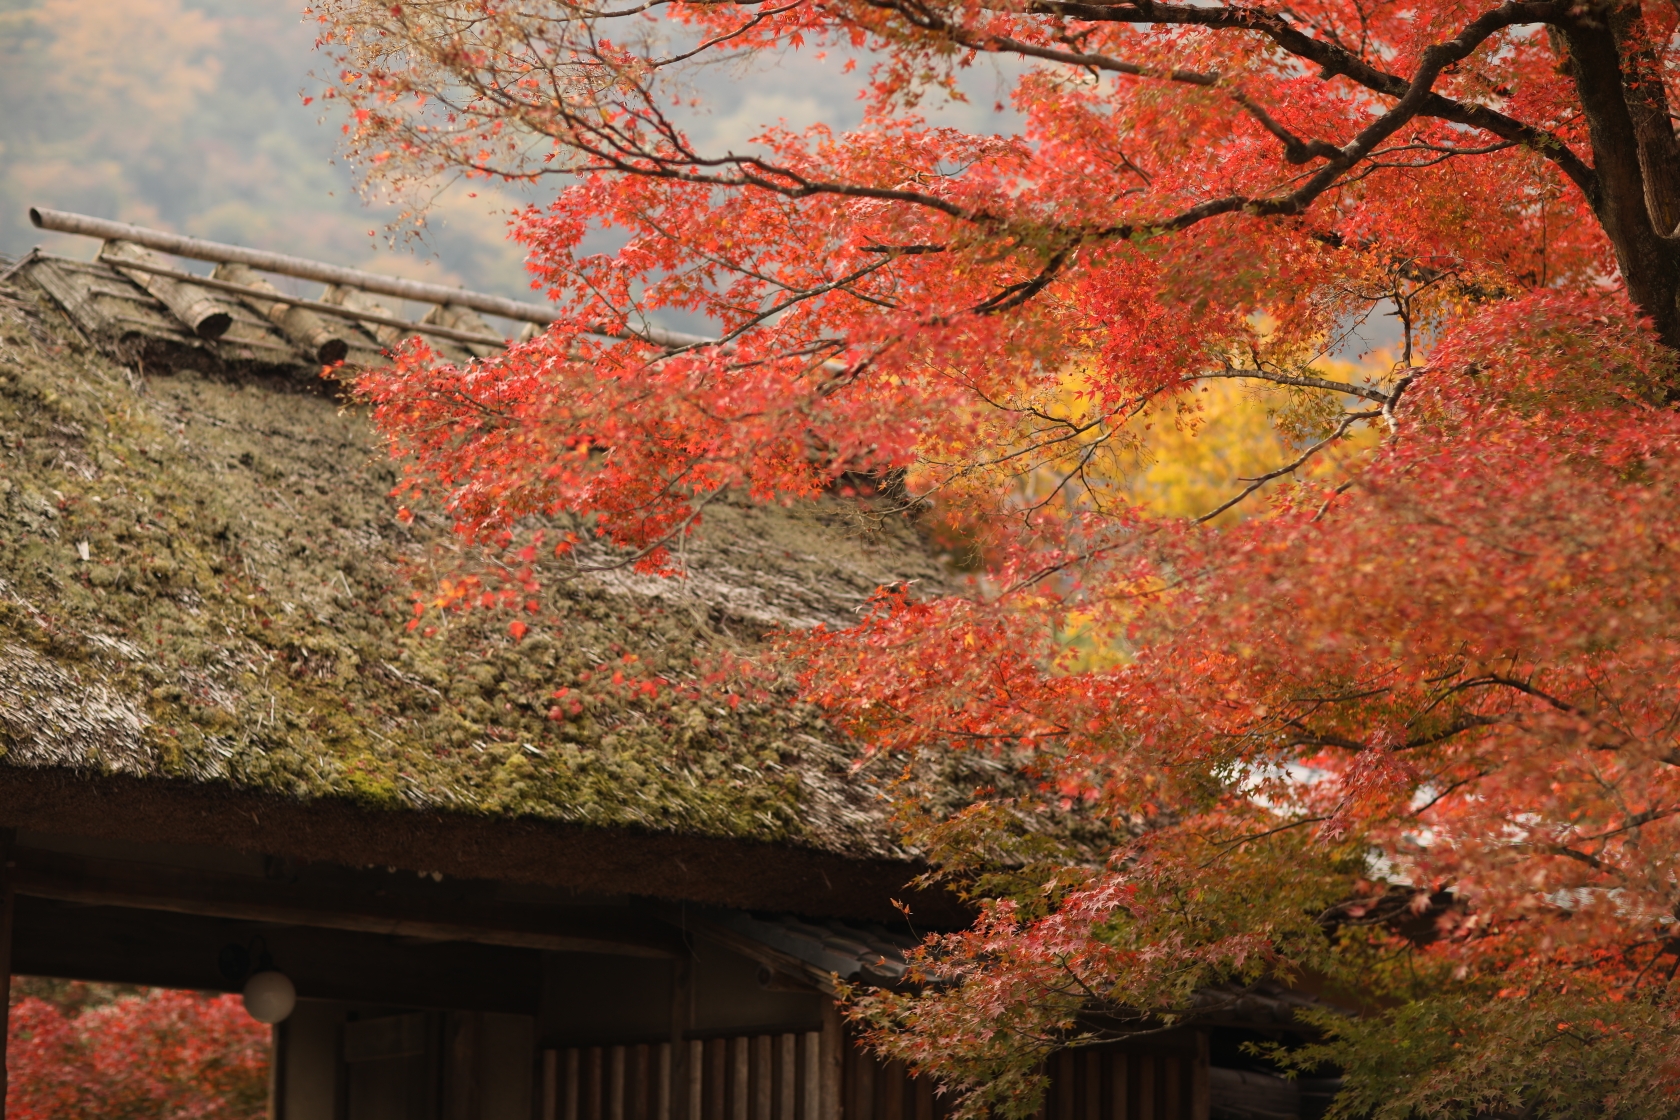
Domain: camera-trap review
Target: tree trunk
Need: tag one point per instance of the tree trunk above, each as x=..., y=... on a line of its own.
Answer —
x=1636, y=160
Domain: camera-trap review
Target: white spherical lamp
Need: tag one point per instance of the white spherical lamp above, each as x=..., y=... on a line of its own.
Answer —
x=269, y=996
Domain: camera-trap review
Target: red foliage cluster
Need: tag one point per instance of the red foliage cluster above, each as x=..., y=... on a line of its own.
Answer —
x=1458, y=674
x=162, y=1055
x=1407, y=733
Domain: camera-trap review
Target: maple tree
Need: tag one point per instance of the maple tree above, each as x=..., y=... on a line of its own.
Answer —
x=158, y=1053
x=1393, y=720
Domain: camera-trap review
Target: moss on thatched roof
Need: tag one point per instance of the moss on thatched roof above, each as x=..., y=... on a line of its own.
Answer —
x=202, y=577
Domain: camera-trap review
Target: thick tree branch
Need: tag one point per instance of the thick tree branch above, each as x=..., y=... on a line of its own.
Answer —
x=1333, y=59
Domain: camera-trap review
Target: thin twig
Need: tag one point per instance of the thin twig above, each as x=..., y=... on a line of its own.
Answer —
x=1255, y=483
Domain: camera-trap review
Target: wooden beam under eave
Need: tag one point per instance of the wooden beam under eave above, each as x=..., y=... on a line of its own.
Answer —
x=100, y=882
x=158, y=949
x=779, y=963
x=733, y=872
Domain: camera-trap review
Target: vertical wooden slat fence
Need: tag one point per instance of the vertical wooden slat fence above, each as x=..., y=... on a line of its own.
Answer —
x=779, y=1077
x=871, y=1089
x=1113, y=1084
x=753, y=1077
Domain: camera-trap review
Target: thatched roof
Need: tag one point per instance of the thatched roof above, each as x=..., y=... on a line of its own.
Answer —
x=203, y=582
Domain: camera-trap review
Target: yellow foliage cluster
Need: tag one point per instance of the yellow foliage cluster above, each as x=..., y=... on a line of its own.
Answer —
x=1194, y=453
x=1197, y=453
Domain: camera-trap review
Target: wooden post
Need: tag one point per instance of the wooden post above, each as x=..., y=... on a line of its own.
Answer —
x=894, y=1083
x=665, y=1096
x=696, y=1078
x=615, y=1083
x=8, y=906
x=277, y=1071
x=787, y=1077
x=192, y=305
x=683, y=1068
x=833, y=1060
x=811, y=1105
x=595, y=1088
x=547, y=1095
x=1200, y=1095
x=740, y=1078
x=862, y=1102
x=763, y=1075
x=640, y=1078
x=1118, y=1087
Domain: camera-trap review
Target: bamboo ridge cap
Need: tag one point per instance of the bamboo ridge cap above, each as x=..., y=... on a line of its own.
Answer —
x=63, y=221
x=312, y=304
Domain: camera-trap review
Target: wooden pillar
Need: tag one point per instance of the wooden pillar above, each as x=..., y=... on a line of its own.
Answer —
x=547, y=1096
x=664, y=1094
x=923, y=1087
x=787, y=1077
x=740, y=1078
x=615, y=1083
x=811, y=1077
x=863, y=1091
x=833, y=1061
x=763, y=1074
x=717, y=1079
x=276, y=1072
x=640, y=1079
x=594, y=1085
x=463, y=1053
x=8, y=906
x=1117, y=1086
x=893, y=1083
x=683, y=1070
x=1200, y=1094
x=696, y=1078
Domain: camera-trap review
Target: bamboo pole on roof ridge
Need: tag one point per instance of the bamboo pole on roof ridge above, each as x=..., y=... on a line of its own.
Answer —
x=459, y=318
x=191, y=304
x=63, y=221
x=362, y=308
x=287, y=265
x=374, y=312
x=299, y=324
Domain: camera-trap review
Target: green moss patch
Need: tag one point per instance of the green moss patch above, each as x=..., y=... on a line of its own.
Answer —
x=204, y=578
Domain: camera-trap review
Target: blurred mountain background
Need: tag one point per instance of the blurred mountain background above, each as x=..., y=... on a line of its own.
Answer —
x=187, y=115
